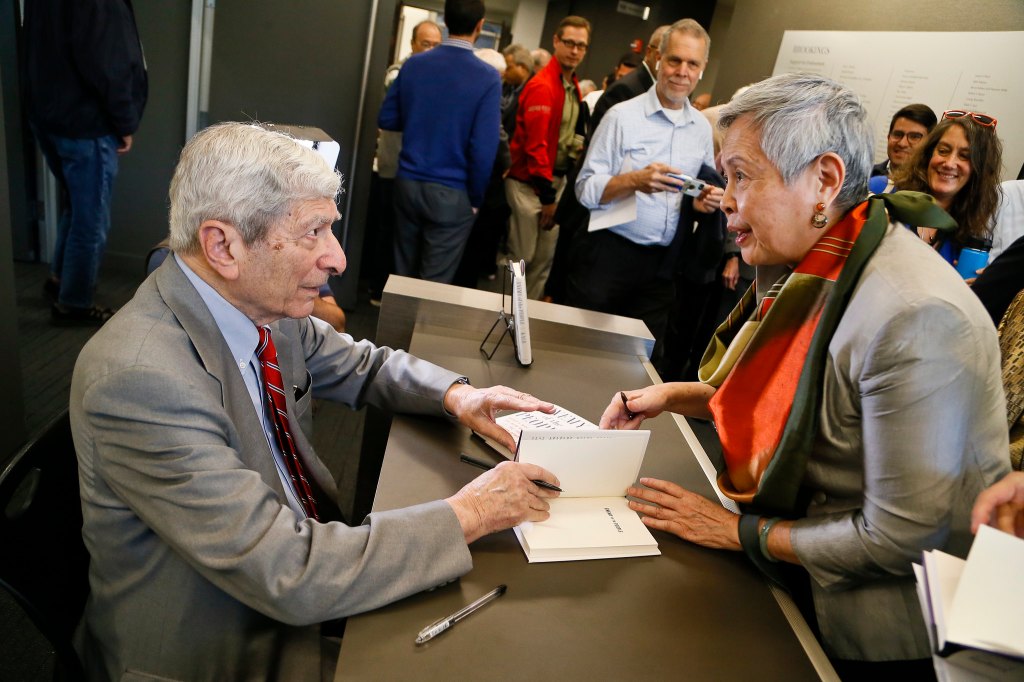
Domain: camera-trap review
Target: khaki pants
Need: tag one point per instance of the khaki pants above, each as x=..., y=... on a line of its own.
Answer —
x=526, y=241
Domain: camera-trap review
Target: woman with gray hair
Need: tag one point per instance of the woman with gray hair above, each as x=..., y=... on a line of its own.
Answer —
x=855, y=388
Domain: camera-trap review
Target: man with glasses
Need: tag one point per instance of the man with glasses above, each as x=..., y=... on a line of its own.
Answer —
x=547, y=139
x=908, y=127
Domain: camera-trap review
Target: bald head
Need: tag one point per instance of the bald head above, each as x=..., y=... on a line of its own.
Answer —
x=426, y=35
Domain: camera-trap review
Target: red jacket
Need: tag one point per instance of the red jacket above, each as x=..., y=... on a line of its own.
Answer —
x=534, y=144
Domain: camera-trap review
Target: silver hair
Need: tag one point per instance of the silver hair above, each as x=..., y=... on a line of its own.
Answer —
x=245, y=175
x=657, y=34
x=541, y=57
x=801, y=117
x=520, y=55
x=686, y=27
x=492, y=57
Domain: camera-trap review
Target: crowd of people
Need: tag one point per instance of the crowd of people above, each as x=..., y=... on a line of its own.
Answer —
x=496, y=189
x=867, y=399
x=681, y=282
x=812, y=322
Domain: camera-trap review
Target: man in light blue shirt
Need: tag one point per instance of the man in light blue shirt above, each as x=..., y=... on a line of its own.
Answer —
x=625, y=270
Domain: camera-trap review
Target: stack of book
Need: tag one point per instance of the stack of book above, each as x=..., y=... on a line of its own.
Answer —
x=974, y=608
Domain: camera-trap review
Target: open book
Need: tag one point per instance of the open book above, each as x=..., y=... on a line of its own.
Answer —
x=591, y=519
x=976, y=605
x=517, y=422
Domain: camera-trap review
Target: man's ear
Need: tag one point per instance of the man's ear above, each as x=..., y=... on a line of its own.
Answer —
x=222, y=247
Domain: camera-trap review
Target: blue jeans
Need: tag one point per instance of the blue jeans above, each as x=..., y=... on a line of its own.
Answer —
x=86, y=170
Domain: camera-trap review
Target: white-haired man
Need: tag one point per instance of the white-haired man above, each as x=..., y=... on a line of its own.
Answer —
x=216, y=543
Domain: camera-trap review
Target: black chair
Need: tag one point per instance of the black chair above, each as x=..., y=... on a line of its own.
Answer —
x=43, y=562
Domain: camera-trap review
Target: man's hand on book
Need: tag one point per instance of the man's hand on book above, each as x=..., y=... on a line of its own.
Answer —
x=688, y=515
x=502, y=498
x=478, y=407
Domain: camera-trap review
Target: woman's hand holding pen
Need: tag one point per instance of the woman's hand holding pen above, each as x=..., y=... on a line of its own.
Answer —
x=502, y=498
x=628, y=409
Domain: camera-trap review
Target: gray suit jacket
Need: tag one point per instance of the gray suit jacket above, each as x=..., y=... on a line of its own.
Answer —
x=199, y=568
x=912, y=428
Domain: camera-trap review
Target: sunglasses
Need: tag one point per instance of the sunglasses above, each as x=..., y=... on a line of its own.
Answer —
x=980, y=119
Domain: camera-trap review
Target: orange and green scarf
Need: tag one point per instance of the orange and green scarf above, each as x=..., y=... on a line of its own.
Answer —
x=767, y=359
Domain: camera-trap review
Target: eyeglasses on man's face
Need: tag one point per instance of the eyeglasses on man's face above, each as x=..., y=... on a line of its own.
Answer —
x=912, y=138
x=573, y=45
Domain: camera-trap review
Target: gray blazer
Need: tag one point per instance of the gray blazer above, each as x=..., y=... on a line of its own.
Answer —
x=912, y=428
x=200, y=570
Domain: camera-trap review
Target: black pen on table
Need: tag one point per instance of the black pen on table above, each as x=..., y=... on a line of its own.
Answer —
x=486, y=465
x=439, y=626
x=629, y=413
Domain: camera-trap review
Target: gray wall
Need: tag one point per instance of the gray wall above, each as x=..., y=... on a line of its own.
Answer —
x=139, y=213
x=305, y=67
x=753, y=39
x=299, y=64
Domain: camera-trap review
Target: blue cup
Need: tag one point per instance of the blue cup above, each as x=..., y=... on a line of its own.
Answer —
x=970, y=261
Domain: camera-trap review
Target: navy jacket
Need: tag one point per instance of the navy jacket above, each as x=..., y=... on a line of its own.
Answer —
x=83, y=72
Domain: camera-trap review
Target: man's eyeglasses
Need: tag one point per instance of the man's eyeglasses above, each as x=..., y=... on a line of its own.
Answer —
x=981, y=119
x=912, y=138
x=573, y=45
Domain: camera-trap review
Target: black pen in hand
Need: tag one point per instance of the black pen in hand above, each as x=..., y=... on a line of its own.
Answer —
x=629, y=413
x=486, y=465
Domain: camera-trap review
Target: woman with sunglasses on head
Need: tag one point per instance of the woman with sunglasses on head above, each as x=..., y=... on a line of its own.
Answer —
x=959, y=165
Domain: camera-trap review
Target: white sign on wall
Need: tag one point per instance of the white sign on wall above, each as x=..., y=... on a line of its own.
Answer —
x=971, y=71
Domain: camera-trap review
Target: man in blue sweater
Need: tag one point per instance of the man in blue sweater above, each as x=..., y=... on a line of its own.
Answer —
x=447, y=103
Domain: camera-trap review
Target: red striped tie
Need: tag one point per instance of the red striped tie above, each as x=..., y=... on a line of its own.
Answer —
x=273, y=389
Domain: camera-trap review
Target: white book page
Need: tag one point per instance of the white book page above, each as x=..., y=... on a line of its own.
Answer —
x=515, y=422
x=926, y=609
x=561, y=419
x=587, y=463
x=581, y=522
x=583, y=528
x=988, y=609
x=943, y=572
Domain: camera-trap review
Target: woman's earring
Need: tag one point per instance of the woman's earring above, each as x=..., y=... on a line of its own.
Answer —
x=819, y=219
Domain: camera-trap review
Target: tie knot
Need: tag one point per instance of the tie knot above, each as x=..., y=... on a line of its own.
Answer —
x=265, y=351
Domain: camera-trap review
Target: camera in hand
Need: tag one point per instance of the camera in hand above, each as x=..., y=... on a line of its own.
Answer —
x=691, y=186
